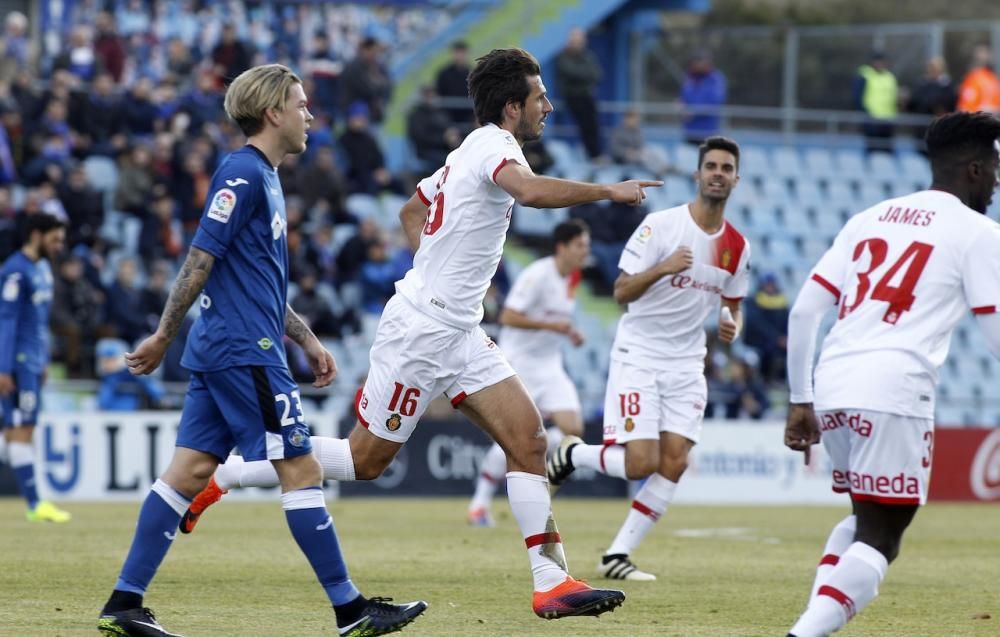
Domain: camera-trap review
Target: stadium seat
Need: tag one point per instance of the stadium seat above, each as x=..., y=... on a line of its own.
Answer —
x=678, y=188
x=850, y=164
x=537, y=222
x=363, y=206
x=819, y=163
x=101, y=172
x=787, y=162
x=883, y=167
x=839, y=192
x=685, y=157
x=870, y=193
x=562, y=152
x=389, y=206
x=754, y=162
x=609, y=174
x=916, y=168
x=807, y=191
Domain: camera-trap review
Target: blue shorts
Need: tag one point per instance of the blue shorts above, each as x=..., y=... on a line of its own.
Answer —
x=21, y=406
x=257, y=409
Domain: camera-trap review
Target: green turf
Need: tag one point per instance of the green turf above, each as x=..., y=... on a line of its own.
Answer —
x=241, y=574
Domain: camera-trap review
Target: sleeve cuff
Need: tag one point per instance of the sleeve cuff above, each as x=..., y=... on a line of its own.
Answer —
x=204, y=241
x=801, y=397
x=423, y=197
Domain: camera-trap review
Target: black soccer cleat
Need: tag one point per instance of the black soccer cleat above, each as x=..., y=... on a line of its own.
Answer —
x=379, y=617
x=134, y=622
x=560, y=464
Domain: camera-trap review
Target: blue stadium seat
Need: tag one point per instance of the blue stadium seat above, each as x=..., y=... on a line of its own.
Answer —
x=562, y=152
x=363, y=206
x=787, y=162
x=850, y=164
x=916, y=168
x=389, y=206
x=870, y=193
x=819, y=163
x=839, y=192
x=685, y=157
x=807, y=191
x=609, y=174
x=775, y=192
x=678, y=188
x=535, y=222
x=754, y=162
x=883, y=167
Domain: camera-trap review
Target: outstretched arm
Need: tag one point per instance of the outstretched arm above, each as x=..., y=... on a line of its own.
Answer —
x=536, y=191
x=189, y=284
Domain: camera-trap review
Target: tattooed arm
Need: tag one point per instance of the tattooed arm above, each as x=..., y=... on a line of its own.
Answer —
x=295, y=327
x=320, y=360
x=189, y=284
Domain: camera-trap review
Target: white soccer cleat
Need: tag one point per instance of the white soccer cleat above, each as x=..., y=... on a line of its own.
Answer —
x=620, y=567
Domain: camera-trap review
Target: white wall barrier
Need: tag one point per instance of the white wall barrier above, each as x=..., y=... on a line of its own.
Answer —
x=117, y=455
x=114, y=455
x=746, y=462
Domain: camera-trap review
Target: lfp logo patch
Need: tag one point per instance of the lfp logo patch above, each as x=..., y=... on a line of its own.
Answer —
x=645, y=233
x=222, y=206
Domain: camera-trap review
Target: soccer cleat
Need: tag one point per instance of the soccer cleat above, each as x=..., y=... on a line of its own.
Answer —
x=208, y=496
x=45, y=511
x=134, y=622
x=559, y=466
x=381, y=618
x=620, y=567
x=480, y=517
x=574, y=598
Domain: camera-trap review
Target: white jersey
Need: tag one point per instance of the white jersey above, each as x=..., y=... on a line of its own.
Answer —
x=467, y=222
x=664, y=328
x=541, y=294
x=904, y=272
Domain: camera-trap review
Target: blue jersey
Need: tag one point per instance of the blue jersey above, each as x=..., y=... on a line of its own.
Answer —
x=25, y=299
x=243, y=304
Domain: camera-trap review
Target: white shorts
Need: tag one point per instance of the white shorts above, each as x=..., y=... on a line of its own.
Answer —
x=415, y=359
x=879, y=457
x=548, y=384
x=641, y=402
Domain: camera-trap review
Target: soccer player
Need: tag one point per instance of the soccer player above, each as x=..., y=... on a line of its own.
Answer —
x=537, y=317
x=429, y=341
x=241, y=392
x=25, y=297
x=676, y=269
x=901, y=275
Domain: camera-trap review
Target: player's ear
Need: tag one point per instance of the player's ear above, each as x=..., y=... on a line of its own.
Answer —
x=273, y=116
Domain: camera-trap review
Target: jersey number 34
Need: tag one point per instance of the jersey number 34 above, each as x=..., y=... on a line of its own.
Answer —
x=899, y=297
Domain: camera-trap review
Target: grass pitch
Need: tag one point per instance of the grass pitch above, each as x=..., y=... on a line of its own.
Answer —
x=724, y=571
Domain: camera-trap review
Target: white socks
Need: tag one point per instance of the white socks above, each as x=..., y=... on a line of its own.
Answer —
x=840, y=538
x=650, y=503
x=494, y=467
x=334, y=455
x=851, y=585
x=532, y=507
x=606, y=459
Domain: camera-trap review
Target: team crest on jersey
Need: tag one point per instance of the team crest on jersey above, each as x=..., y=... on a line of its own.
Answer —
x=725, y=258
x=277, y=225
x=222, y=206
x=629, y=425
x=298, y=437
x=645, y=233
x=265, y=343
x=394, y=422
x=12, y=287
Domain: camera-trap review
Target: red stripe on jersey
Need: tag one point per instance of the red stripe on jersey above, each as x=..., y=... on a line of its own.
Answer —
x=542, y=538
x=502, y=164
x=839, y=597
x=728, y=248
x=645, y=510
x=830, y=559
x=840, y=489
x=357, y=407
x=884, y=499
x=574, y=282
x=831, y=288
x=423, y=197
x=985, y=309
x=734, y=299
x=459, y=397
x=489, y=478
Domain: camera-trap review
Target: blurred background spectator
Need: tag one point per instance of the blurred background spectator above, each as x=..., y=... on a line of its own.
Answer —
x=766, y=326
x=980, y=89
x=577, y=75
x=877, y=94
x=452, y=83
x=935, y=95
x=704, y=87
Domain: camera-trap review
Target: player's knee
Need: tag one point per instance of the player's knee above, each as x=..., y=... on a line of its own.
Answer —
x=639, y=466
x=673, y=467
x=885, y=541
x=369, y=468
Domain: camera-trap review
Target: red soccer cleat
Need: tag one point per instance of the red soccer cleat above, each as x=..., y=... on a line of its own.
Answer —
x=208, y=496
x=574, y=598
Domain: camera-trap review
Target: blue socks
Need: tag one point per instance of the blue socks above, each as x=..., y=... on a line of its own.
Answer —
x=312, y=527
x=154, y=533
x=22, y=461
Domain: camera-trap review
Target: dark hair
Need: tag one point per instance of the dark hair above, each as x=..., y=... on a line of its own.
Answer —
x=718, y=142
x=41, y=222
x=569, y=230
x=499, y=77
x=958, y=138
x=459, y=45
